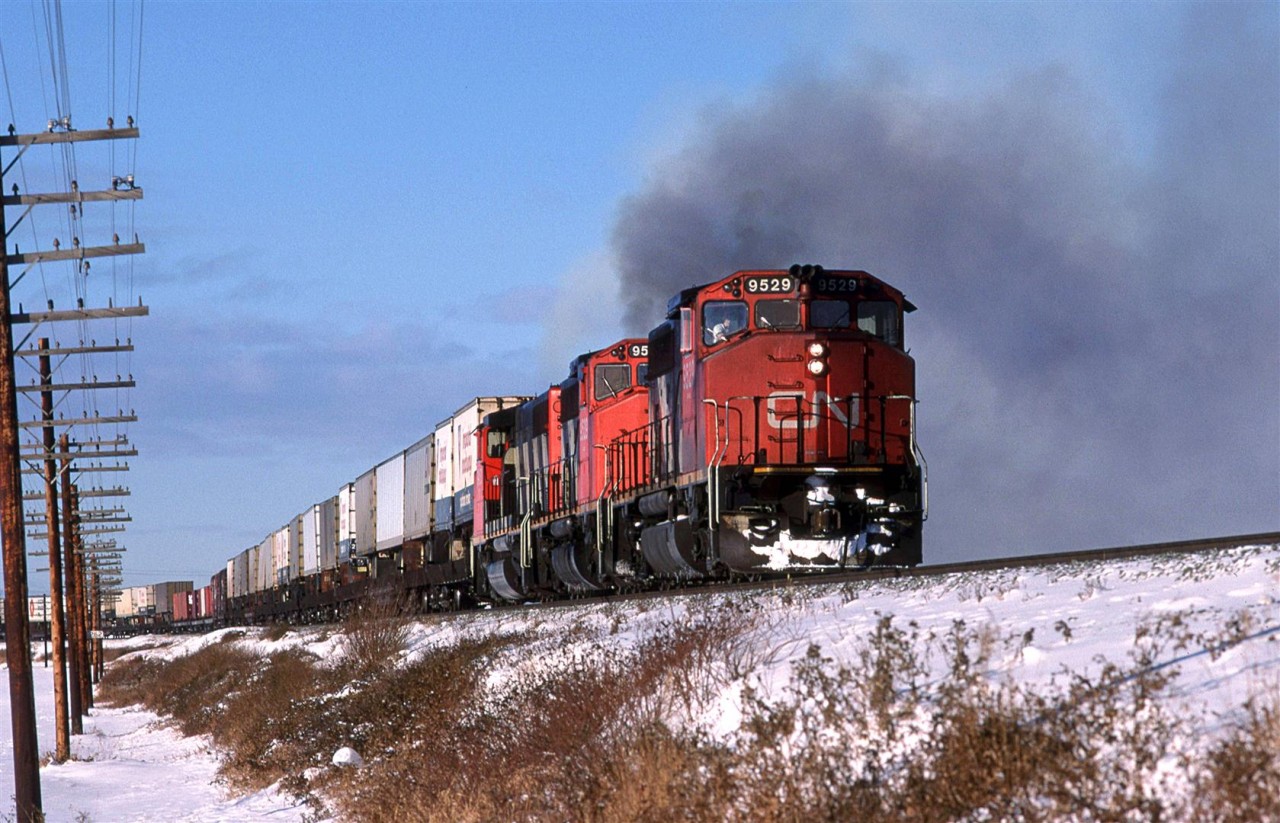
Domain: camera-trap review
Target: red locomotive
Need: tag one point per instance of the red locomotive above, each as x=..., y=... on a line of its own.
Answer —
x=766, y=426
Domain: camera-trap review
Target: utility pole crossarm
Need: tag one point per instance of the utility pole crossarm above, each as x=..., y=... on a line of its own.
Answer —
x=79, y=314
x=63, y=350
x=94, y=530
x=48, y=198
x=118, y=491
x=67, y=136
x=78, y=421
x=80, y=455
x=79, y=469
x=37, y=448
x=101, y=384
x=79, y=253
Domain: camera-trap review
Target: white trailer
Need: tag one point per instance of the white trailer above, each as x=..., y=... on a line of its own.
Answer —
x=389, y=488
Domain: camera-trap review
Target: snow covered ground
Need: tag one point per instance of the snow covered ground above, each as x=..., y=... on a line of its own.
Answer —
x=128, y=767
x=1224, y=607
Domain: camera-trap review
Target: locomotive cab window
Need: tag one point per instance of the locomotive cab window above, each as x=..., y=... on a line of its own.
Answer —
x=722, y=319
x=778, y=314
x=880, y=318
x=829, y=314
x=642, y=373
x=612, y=378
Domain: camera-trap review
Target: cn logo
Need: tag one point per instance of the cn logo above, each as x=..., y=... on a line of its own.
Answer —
x=783, y=410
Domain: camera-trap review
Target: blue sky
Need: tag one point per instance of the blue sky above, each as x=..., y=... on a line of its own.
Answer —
x=359, y=214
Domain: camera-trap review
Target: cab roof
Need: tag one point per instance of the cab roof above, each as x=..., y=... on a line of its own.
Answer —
x=686, y=297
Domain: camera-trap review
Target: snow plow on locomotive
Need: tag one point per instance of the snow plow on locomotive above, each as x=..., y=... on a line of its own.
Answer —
x=765, y=427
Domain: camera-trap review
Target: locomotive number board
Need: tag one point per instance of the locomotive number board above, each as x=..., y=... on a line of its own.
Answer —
x=831, y=284
x=778, y=284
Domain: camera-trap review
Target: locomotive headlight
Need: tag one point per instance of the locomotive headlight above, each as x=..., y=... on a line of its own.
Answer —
x=817, y=367
x=817, y=349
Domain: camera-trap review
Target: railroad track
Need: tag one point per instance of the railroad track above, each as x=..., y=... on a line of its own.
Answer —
x=925, y=570
x=1099, y=555
x=1029, y=561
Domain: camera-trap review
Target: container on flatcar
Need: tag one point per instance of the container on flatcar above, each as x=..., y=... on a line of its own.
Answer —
x=366, y=514
x=390, y=502
x=327, y=529
x=215, y=605
x=443, y=487
x=296, y=529
x=264, y=566
x=124, y=604
x=162, y=594
x=418, y=497
x=280, y=555
x=179, y=607
x=311, y=540
x=241, y=573
x=233, y=582
x=346, y=522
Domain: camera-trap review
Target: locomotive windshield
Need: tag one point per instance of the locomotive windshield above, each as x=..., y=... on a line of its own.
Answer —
x=778, y=314
x=722, y=318
x=875, y=317
x=829, y=314
x=612, y=378
x=880, y=318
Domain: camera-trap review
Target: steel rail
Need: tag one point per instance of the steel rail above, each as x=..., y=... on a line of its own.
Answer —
x=817, y=578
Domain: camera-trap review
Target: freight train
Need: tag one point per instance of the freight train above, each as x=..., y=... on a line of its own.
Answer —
x=767, y=426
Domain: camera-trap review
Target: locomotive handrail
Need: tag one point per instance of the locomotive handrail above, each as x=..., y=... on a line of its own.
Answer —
x=525, y=535
x=919, y=455
x=600, y=507
x=713, y=480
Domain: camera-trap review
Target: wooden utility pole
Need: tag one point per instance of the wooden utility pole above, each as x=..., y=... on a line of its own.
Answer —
x=62, y=728
x=22, y=696
x=82, y=605
x=26, y=765
x=75, y=645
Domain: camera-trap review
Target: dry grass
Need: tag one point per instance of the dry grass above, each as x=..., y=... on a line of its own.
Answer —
x=375, y=633
x=187, y=688
x=585, y=742
x=1240, y=777
x=604, y=738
